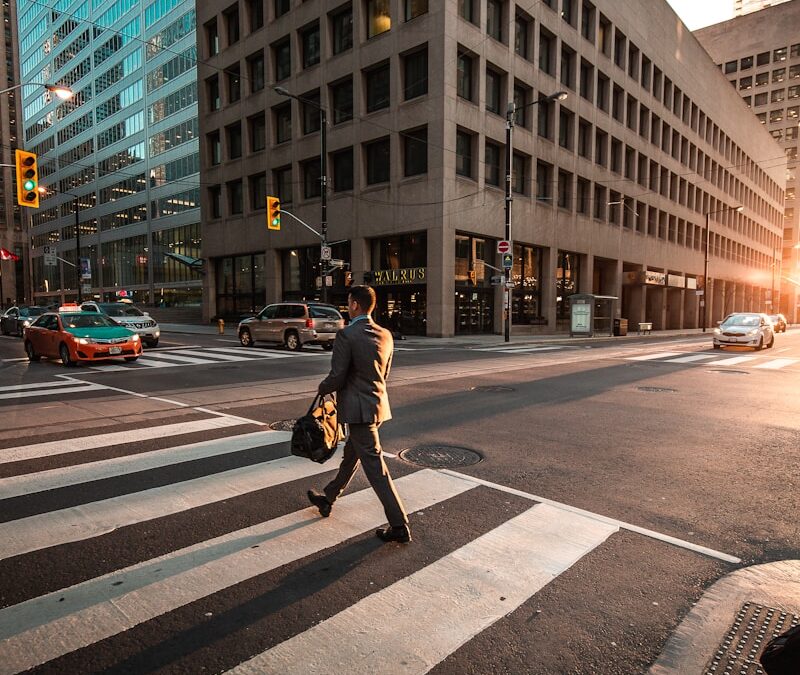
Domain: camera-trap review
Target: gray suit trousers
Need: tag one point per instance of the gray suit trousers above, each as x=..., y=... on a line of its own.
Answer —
x=364, y=446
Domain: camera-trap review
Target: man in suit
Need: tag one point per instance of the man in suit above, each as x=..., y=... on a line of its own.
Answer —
x=362, y=357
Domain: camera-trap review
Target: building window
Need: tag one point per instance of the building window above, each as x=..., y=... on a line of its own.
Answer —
x=342, y=100
x=281, y=7
x=212, y=38
x=568, y=11
x=464, y=83
x=283, y=59
x=494, y=19
x=282, y=184
x=545, y=120
x=492, y=164
x=564, y=190
x=544, y=178
x=377, y=81
x=522, y=99
x=586, y=80
x=778, y=75
x=232, y=24
x=762, y=59
x=526, y=299
x=730, y=67
x=522, y=29
x=215, y=200
x=214, y=100
x=779, y=55
x=415, y=8
x=377, y=158
x=255, y=67
x=585, y=138
x=464, y=154
x=343, y=170
x=600, y=202
x=566, y=121
x=582, y=198
x=258, y=133
x=587, y=21
x=762, y=79
x=466, y=10
x=311, y=178
x=778, y=95
x=795, y=50
x=746, y=63
x=342, y=29
x=234, y=83
x=379, y=18
x=282, y=114
x=255, y=9
x=415, y=74
x=258, y=192
x=602, y=91
x=214, y=148
x=519, y=173
x=494, y=88
x=567, y=67
x=309, y=40
x=234, y=140
x=415, y=152
x=547, y=43
x=311, y=112
x=235, y=197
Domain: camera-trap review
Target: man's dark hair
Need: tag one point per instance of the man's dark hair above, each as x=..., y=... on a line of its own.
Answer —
x=364, y=296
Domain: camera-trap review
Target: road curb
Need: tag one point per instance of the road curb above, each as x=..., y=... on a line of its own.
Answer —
x=698, y=637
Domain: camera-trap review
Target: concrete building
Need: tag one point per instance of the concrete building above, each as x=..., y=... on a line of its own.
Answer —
x=13, y=281
x=613, y=188
x=123, y=151
x=760, y=55
x=741, y=7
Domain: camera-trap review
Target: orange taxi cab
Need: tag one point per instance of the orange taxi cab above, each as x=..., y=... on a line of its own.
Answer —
x=75, y=336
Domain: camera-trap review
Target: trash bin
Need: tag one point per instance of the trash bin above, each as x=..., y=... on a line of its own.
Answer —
x=620, y=326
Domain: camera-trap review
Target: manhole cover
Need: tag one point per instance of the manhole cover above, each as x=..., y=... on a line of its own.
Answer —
x=729, y=372
x=754, y=626
x=282, y=425
x=440, y=456
x=492, y=388
x=657, y=390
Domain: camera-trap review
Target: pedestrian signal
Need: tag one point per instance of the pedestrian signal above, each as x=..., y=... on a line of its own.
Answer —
x=273, y=213
x=27, y=179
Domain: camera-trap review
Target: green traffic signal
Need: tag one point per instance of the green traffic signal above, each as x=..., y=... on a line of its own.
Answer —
x=29, y=184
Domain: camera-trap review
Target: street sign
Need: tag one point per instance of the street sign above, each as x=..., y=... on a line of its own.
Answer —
x=510, y=284
x=50, y=259
x=508, y=261
x=325, y=253
x=86, y=268
x=700, y=292
x=503, y=246
x=498, y=280
x=86, y=288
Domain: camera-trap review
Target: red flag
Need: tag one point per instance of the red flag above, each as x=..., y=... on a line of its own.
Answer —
x=5, y=254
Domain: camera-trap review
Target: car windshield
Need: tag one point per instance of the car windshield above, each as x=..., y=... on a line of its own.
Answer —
x=318, y=312
x=775, y=318
x=742, y=320
x=86, y=321
x=120, y=309
x=33, y=311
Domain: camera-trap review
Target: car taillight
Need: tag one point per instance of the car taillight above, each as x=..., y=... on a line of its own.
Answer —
x=309, y=323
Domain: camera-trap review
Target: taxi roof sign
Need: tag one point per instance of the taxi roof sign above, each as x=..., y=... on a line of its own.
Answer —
x=70, y=307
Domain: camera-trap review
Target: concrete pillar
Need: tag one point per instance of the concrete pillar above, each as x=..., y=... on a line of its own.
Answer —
x=360, y=259
x=441, y=274
x=209, y=291
x=655, y=303
x=674, y=308
x=272, y=276
x=549, y=266
x=717, y=309
x=691, y=309
x=586, y=274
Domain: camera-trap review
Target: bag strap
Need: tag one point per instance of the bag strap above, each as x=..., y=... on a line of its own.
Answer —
x=319, y=400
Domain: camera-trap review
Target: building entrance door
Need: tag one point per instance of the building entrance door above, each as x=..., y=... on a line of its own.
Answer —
x=474, y=310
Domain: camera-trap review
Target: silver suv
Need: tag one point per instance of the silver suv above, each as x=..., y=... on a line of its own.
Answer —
x=293, y=324
x=130, y=317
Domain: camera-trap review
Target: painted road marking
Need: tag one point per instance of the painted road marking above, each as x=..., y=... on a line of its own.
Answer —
x=774, y=364
x=733, y=361
x=47, y=389
x=692, y=358
x=651, y=357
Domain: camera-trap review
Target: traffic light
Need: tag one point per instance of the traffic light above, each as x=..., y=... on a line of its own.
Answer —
x=273, y=213
x=473, y=277
x=27, y=179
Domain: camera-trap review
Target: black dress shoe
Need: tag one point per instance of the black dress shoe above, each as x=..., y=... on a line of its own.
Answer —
x=321, y=502
x=400, y=534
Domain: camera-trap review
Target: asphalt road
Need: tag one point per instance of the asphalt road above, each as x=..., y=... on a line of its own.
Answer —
x=150, y=520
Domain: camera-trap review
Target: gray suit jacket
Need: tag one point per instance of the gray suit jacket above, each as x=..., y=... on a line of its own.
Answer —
x=362, y=357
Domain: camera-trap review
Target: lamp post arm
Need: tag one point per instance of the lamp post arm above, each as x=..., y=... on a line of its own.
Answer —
x=302, y=222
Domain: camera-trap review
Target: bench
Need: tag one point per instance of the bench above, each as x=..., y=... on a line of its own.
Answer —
x=645, y=327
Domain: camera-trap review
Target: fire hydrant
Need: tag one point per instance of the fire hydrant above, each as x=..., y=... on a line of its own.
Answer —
x=221, y=326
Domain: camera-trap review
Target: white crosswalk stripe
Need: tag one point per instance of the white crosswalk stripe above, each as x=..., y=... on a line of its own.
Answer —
x=58, y=387
x=763, y=361
x=449, y=598
x=510, y=349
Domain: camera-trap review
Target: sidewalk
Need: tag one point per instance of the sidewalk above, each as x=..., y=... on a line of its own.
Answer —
x=461, y=341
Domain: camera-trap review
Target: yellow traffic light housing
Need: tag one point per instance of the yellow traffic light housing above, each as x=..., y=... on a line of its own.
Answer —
x=273, y=213
x=27, y=179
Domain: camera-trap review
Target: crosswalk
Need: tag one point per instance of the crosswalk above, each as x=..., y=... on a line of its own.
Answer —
x=119, y=557
x=49, y=388
x=523, y=349
x=757, y=362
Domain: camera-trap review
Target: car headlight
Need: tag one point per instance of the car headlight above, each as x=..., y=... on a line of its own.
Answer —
x=157, y=333
x=26, y=323
x=135, y=337
x=85, y=341
x=717, y=331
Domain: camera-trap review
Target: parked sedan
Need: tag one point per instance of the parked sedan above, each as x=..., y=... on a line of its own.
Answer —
x=80, y=336
x=15, y=319
x=778, y=322
x=744, y=330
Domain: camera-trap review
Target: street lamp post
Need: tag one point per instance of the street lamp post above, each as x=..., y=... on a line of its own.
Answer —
x=511, y=112
x=738, y=209
x=323, y=178
x=64, y=93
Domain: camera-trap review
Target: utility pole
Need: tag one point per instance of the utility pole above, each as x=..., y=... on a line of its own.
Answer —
x=510, y=112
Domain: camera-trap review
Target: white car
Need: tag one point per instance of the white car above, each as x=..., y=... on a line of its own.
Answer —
x=745, y=329
x=129, y=316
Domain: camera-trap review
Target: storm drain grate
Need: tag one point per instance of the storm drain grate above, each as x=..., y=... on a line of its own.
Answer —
x=440, y=456
x=492, y=388
x=282, y=425
x=657, y=390
x=754, y=626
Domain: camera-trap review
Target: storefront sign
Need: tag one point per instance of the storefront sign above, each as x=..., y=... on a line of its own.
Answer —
x=648, y=277
x=411, y=275
x=676, y=281
x=691, y=283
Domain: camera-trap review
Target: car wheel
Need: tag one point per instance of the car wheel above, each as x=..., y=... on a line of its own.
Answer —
x=31, y=352
x=66, y=359
x=130, y=359
x=245, y=338
x=771, y=343
x=760, y=344
x=19, y=331
x=328, y=346
x=292, y=341
x=152, y=343
x=717, y=346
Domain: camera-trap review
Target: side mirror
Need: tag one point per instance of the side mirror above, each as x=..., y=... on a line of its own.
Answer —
x=719, y=323
x=146, y=313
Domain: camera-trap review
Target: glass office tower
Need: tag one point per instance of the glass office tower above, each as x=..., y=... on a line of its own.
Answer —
x=123, y=151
